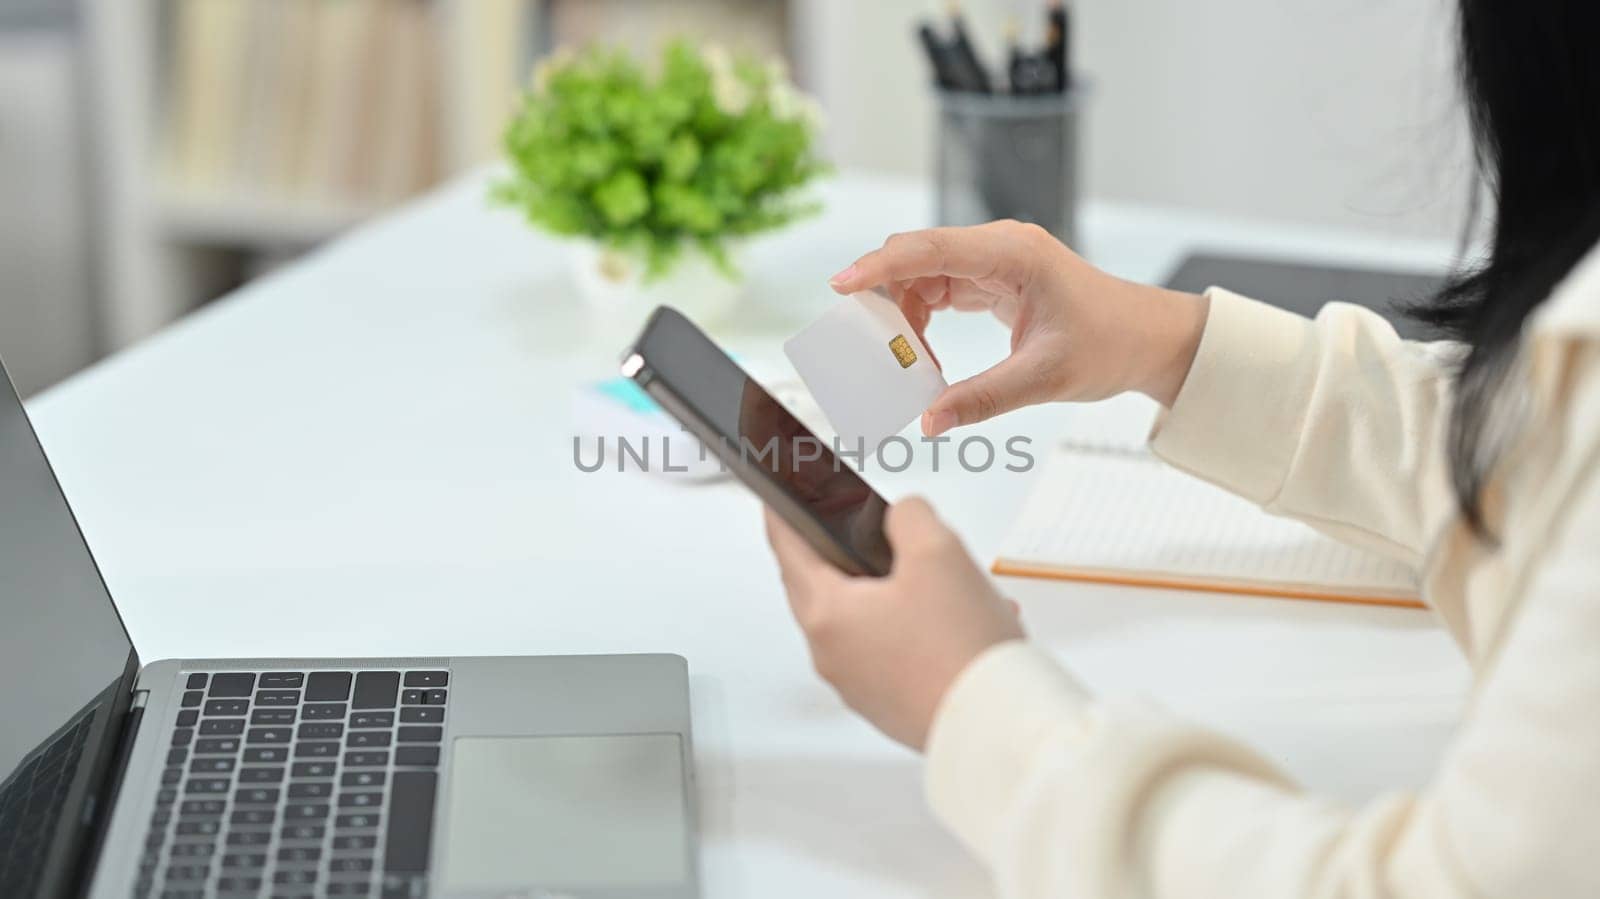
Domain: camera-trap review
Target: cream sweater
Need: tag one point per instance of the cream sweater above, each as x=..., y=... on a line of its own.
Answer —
x=1341, y=424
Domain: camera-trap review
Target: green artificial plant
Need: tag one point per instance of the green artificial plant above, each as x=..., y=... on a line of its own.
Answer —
x=708, y=149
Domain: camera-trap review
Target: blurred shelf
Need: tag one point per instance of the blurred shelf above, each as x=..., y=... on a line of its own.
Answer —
x=243, y=219
x=472, y=56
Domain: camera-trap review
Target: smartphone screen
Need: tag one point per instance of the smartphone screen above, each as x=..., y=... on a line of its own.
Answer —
x=762, y=442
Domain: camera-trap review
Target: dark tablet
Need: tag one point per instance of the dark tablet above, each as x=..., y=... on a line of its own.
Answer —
x=1305, y=287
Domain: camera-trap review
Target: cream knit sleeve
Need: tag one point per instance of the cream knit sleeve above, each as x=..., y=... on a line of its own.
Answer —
x=1337, y=422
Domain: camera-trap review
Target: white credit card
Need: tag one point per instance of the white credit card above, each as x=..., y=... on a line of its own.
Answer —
x=866, y=368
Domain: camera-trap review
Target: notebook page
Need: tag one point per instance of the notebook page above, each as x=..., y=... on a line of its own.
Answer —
x=1111, y=513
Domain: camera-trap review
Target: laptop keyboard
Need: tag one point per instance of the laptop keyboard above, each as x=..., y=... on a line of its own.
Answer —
x=30, y=806
x=298, y=783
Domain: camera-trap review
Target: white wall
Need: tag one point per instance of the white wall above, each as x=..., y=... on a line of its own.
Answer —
x=1337, y=112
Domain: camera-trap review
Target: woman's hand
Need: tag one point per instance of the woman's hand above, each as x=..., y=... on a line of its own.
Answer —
x=892, y=646
x=1077, y=333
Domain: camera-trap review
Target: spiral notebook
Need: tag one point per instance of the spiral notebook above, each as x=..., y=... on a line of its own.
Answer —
x=1115, y=514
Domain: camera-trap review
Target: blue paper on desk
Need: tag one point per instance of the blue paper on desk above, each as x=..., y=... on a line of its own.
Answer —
x=617, y=411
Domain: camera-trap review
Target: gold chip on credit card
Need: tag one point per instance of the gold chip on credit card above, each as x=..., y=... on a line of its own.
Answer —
x=903, y=353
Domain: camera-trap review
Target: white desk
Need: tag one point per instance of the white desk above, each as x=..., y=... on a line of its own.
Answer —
x=370, y=453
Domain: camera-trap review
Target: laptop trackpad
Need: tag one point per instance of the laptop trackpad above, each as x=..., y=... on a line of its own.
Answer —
x=565, y=812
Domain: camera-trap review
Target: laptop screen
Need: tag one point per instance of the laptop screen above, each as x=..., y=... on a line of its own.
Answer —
x=64, y=660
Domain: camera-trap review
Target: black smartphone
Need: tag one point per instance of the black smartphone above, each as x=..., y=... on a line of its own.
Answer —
x=762, y=443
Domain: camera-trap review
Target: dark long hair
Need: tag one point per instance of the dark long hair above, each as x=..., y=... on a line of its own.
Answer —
x=1530, y=72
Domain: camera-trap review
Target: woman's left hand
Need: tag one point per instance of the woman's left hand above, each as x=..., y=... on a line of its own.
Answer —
x=892, y=646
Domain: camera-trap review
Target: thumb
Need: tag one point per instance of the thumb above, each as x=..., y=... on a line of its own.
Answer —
x=912, y=523
x=1010, y=385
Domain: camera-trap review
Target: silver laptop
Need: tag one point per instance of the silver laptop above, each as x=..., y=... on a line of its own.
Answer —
x=559, y=776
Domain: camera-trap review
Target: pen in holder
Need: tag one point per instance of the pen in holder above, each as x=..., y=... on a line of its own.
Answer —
x=1009, y=156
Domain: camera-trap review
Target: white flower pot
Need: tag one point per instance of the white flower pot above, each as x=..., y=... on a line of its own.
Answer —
x=619, y=299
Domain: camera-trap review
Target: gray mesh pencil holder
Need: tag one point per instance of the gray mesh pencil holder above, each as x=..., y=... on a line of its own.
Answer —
x=1002, y=156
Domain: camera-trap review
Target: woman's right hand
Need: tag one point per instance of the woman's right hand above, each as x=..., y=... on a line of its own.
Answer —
x=1077, y=333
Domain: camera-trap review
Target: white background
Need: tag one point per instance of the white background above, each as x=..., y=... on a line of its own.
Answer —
x=1317, y=112
x=1329, y=112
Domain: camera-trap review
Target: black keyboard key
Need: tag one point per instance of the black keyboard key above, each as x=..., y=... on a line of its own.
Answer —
x=360, y=800
x=357, y=821
x=193, y=698
x=306, y=811
x=244, y=860
x=197, y=828
x=304, y=832
x=210, y=764
x=161, y=818
x=182, y=736
x=410, y=831
x=297, y=877
x=188, y=717
x=316, y=789
x=368, y=739
x=411, y=697
x=427, y=678
x=350, y=865
x=367, y=720
x=300, y=854
x=280, y=680
x=188, y=872
x=328, y=686
x=351, y=841
x=196, y=681
x=312, y=769
x=193, y=850
x=376, y=690
x=361, y=779
x=272, y=716
x=279, y=735
x=257, y=796
x=434, y=697
x=173, y=892
x=238, y=884
x=166, y=796
x=350, y=888
x=225, y=727
x=324, y=730
x=316, y=750
x=232, y=684
x=420, y=734
x=417, y=756
x=249, y=838
x=219, y=746
x=177, y=756
x=226, y=708
x=201, y=807
x=278, y=697
x=253, y=816
x=266, y=754
x=171, y=775
x=323, y=711
x=260, y=775
x=206, y=785
x=422, y=714
x=366, y=759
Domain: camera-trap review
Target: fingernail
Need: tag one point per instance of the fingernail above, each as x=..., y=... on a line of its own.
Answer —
x=936, y=423
x=843, y=276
